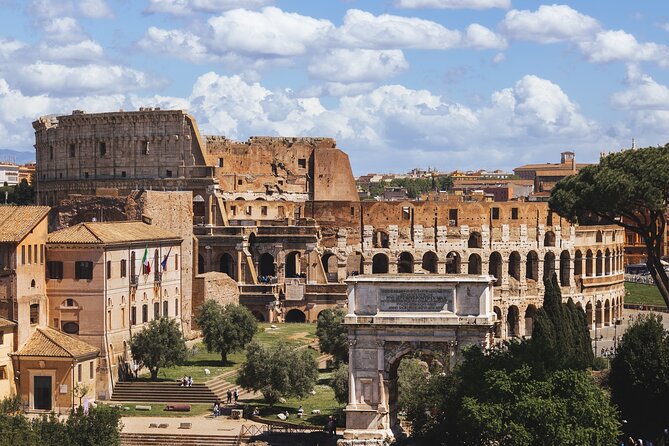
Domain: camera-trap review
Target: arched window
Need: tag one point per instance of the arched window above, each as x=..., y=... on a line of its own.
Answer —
x=430, y=262
x=599, y=264
x=530, y=314
x=512, y=321
x=565, y=264
x=514, y=265
x=474, y=265
x=292, y=267
x=578, y=263
x=549, y=238
x=227, y=264
x=405, y=263
x=495, y=267
x=475, y=240
x=380, y=264
x=607, y=262
x=453, y=263
x=599, y=237
x=588, y=263
x=549, y=265
x=267, y=265
x=532, y=266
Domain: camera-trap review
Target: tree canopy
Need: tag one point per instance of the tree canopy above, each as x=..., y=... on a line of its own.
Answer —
x=630, y=189
x=278, y=371
x=332, y=334
x=160, y=344
x=639, y=377
x=414, y=186
x=226, y=328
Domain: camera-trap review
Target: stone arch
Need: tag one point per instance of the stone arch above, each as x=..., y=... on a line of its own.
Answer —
x=565, y=265
x=292, y=265
x=226, y=264
x=549, y=265
x=514, y=265
x=598, y=263
x=380, y=264
x=495, y=267
x=530, y=314
x=588, y=314
x=549, y=239
x=474, y=264
x=513, y=321
x=607, y=262
x=430, y=262
x=453, y=263
x=475, y=240
x=258, y=315
x=329, y=261
x=32, y=283
x=405, y=263
x=381, y=239
x=498, y=323
x=588, y=263
x=355, y=264
x=578, y=263
x=296, y=316
x=598, y=314
x=198, y=209
x=532, y=266
x=607, y=313
x=599, y=237
x=266, y=265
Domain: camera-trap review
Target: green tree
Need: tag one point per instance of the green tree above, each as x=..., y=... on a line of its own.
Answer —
x=23, y=193
x=161, y=344
x=505, y=398
x=278, y=371
x=226, y=328
x=339, y=383
x=100, y=427
x=639, y=377
x=630, y=189
x=332, y=334
x=560, y=332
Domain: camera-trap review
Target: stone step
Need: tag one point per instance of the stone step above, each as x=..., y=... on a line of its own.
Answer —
x=157, y=439
x=162, y=392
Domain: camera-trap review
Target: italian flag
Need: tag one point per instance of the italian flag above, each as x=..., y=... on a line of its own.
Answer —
x=145, y=261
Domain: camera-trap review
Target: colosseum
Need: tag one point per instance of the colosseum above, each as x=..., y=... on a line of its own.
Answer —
x=282, y=217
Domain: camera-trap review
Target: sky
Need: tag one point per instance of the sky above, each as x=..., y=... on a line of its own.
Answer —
x=445, y=84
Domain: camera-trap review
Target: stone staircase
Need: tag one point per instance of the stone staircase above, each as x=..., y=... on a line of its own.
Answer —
x=162, y=392
x=137, y=439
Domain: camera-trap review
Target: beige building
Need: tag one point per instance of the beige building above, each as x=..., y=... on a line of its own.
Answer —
x=55, y=371
x=100, y=291
x=7, y=347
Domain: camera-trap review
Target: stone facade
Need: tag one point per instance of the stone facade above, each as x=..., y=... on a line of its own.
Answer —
x=216, y=286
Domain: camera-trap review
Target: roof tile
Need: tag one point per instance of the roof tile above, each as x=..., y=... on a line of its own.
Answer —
x=17, y=221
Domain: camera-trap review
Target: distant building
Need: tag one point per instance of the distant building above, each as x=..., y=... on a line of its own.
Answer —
x=9, y=174
x=27, y=171
x=546, y=175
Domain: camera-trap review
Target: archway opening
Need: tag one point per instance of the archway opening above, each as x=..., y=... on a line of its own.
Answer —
x=267, y=267
x=565, y=264
x=405, y=263
x=549, y=238
x=578, y=263
x=530, y=314
x=329, y=261
x=514, y=265
x=295, y=316
x=475, y=240
x=599, y=264
x=430, y=262
x=381, y=239
x=549, y=265
x=227, y=265
x=498, y=322
x=292, y=268
x=474, y=264
x=354, y=264
x=588, y=263
x=453, y=263
x=513, y=321
x=380, y=264
x=532, y=266
x=258, y=315
x=495, y=267
x=200, y=264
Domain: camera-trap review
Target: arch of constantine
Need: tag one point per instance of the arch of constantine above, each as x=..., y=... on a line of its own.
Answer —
x=391, y=316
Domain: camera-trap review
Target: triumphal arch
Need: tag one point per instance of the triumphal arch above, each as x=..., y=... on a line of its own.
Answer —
x=394, y=315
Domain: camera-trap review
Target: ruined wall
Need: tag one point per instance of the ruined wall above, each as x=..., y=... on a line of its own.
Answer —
x=216, y=286
x=333, y=178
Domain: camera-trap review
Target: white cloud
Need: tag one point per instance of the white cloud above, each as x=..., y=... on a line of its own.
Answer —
x=186, y=7
x=8, y=47
x=95, y=9
x=549, y=24
x=619, y=46
x=454, y=4
x=480, y=37
x=66, y=80
x=363, y=29
x=62, y=29
x=80, y=51
x=358, y=66
x=643, y=93
x=270, y=32
x=499, y=58
x=177, y=43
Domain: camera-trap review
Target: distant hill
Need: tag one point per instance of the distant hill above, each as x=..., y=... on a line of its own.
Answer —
x=17, y=157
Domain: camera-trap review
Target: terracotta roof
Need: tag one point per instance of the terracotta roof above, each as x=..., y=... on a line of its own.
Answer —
x=46, y=341
x=554, y=173
x=17, y=221
x=6, y=322
x=540, y=166
x=110, y=232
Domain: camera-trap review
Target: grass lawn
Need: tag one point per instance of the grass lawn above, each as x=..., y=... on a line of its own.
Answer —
x=638, y=293
x=324, y=400
x=290, y=334
x=157, y=410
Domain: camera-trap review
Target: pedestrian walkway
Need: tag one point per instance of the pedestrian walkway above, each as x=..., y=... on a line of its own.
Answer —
x=607, y=338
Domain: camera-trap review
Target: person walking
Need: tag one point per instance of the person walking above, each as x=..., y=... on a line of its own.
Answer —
x=236, y=395
x=229, y=396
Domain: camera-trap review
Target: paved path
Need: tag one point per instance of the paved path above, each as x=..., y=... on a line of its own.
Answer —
x=201, y=425
x=605, y=335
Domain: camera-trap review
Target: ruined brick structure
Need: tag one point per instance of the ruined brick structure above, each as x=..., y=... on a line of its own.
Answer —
x=281, y=216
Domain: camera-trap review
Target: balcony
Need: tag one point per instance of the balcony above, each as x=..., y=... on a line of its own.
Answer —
x=157, y=276
x=134, y=280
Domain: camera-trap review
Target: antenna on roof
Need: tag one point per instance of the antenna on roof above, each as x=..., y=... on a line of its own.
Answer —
x=633, y=144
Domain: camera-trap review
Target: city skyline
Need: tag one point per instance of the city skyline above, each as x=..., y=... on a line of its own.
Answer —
x=450, y=84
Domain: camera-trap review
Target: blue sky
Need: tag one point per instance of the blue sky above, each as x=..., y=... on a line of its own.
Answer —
x=451, y=84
